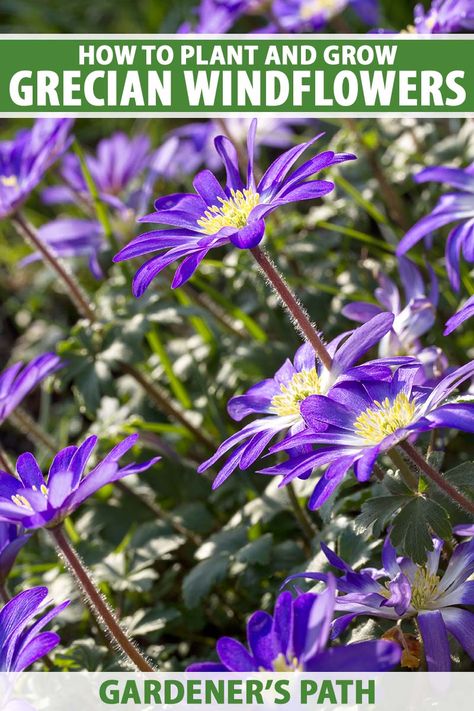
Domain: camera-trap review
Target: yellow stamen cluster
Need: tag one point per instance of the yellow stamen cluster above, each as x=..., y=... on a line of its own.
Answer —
x=232, y=212
x=313, y=7
x=280, y=664
x=301, y=385
x=385, y=418
x=9, y=181
x=425, y=589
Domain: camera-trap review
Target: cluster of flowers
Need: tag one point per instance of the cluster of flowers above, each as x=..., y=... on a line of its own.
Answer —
x=219, y=16
x=332, y=411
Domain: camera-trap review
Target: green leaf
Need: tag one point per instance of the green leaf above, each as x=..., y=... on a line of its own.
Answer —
x=413, y=527
x=377, y=512
x=202, y=578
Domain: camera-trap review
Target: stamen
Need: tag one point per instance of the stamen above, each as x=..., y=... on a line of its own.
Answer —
x=301, y=386
x=280, y=664
x=9, y=181
x=20, y=500
x=425, y=589
x=310, y=8
x=385, y=418
x=232, y=212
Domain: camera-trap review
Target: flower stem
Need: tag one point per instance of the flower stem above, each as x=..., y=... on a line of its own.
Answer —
x=290, y=301
x=4, y=593
x=105, y=617
x=73, y=290
x=163, y=401
x=405, y=472
x=438, y=478
x=25, y=424
x=308, y=528
x=5, y=463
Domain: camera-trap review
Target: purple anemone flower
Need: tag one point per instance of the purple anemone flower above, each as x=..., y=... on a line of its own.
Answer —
x=16, y=381
x=464, y=313
x=444, y=16
x=25, y=160
x=453, y=207
x=216, y=16
x=71, y=237
x=22, y=643
x=36, y=503
x=296, y=638
x=361, y=419
x=277, y=401
x=311, y=15
x=412, y=320
x=404, y=590
x=117, y=162
x=213, y=216
x=12, y=539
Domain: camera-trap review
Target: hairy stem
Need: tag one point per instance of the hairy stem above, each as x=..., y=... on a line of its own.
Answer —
x=161, y=398
x=22, y=421
x=403, y=467
x=99, y=607
x=290, y=301
x=72, y=288
x=308, y=528
x=437, y=478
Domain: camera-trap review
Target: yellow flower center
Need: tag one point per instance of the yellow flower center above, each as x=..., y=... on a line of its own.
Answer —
x=232, y=212
x=280, y=664
x=385, y=418
x=301, y=386
x=9, y=181
x=425, y=588
x=313, y=7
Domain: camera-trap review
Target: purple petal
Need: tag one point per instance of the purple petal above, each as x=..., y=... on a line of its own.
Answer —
x=359, y=657
x=249, y=236
x=234, y=656
x=435, y=640
x=360, y=341
x=460, y=624
x=360, y=311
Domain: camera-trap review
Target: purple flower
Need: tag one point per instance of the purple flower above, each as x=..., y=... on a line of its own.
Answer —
x=22, y=643
x=72, y=237
x=118, y=161
x=16, y=381
x=453, y=207
x=12, y=539
x=404, y=590
x=214, y=216
x=296, y=638
x=361, y=419
x=310, y=15
x=411, y=320
x=216, y=16
x=466, y=312
x=445, y=16
x=278, y=400
x=36, y=503
x=25, y=160
x=464, y=529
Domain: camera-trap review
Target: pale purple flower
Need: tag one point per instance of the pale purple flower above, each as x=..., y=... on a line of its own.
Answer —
x=22, y=641
x=456, y=207
x=18, y=380
x=464, y=313
x=402, y=590
x=215, y=216
x=70, y=237
x=216, y=16
x=36, y=502
x=313, y=15
x=25, y=160
x=413, y=318
x=444, y=16
x=296, y=638
x=361, y=419
x=464, y=529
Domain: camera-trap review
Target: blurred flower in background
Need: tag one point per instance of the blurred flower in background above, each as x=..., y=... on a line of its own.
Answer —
x=17, y=381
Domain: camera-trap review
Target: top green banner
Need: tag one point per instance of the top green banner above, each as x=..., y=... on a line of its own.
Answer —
x=182, y=75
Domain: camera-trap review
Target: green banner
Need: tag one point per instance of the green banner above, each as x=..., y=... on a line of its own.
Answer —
x=183, y=75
